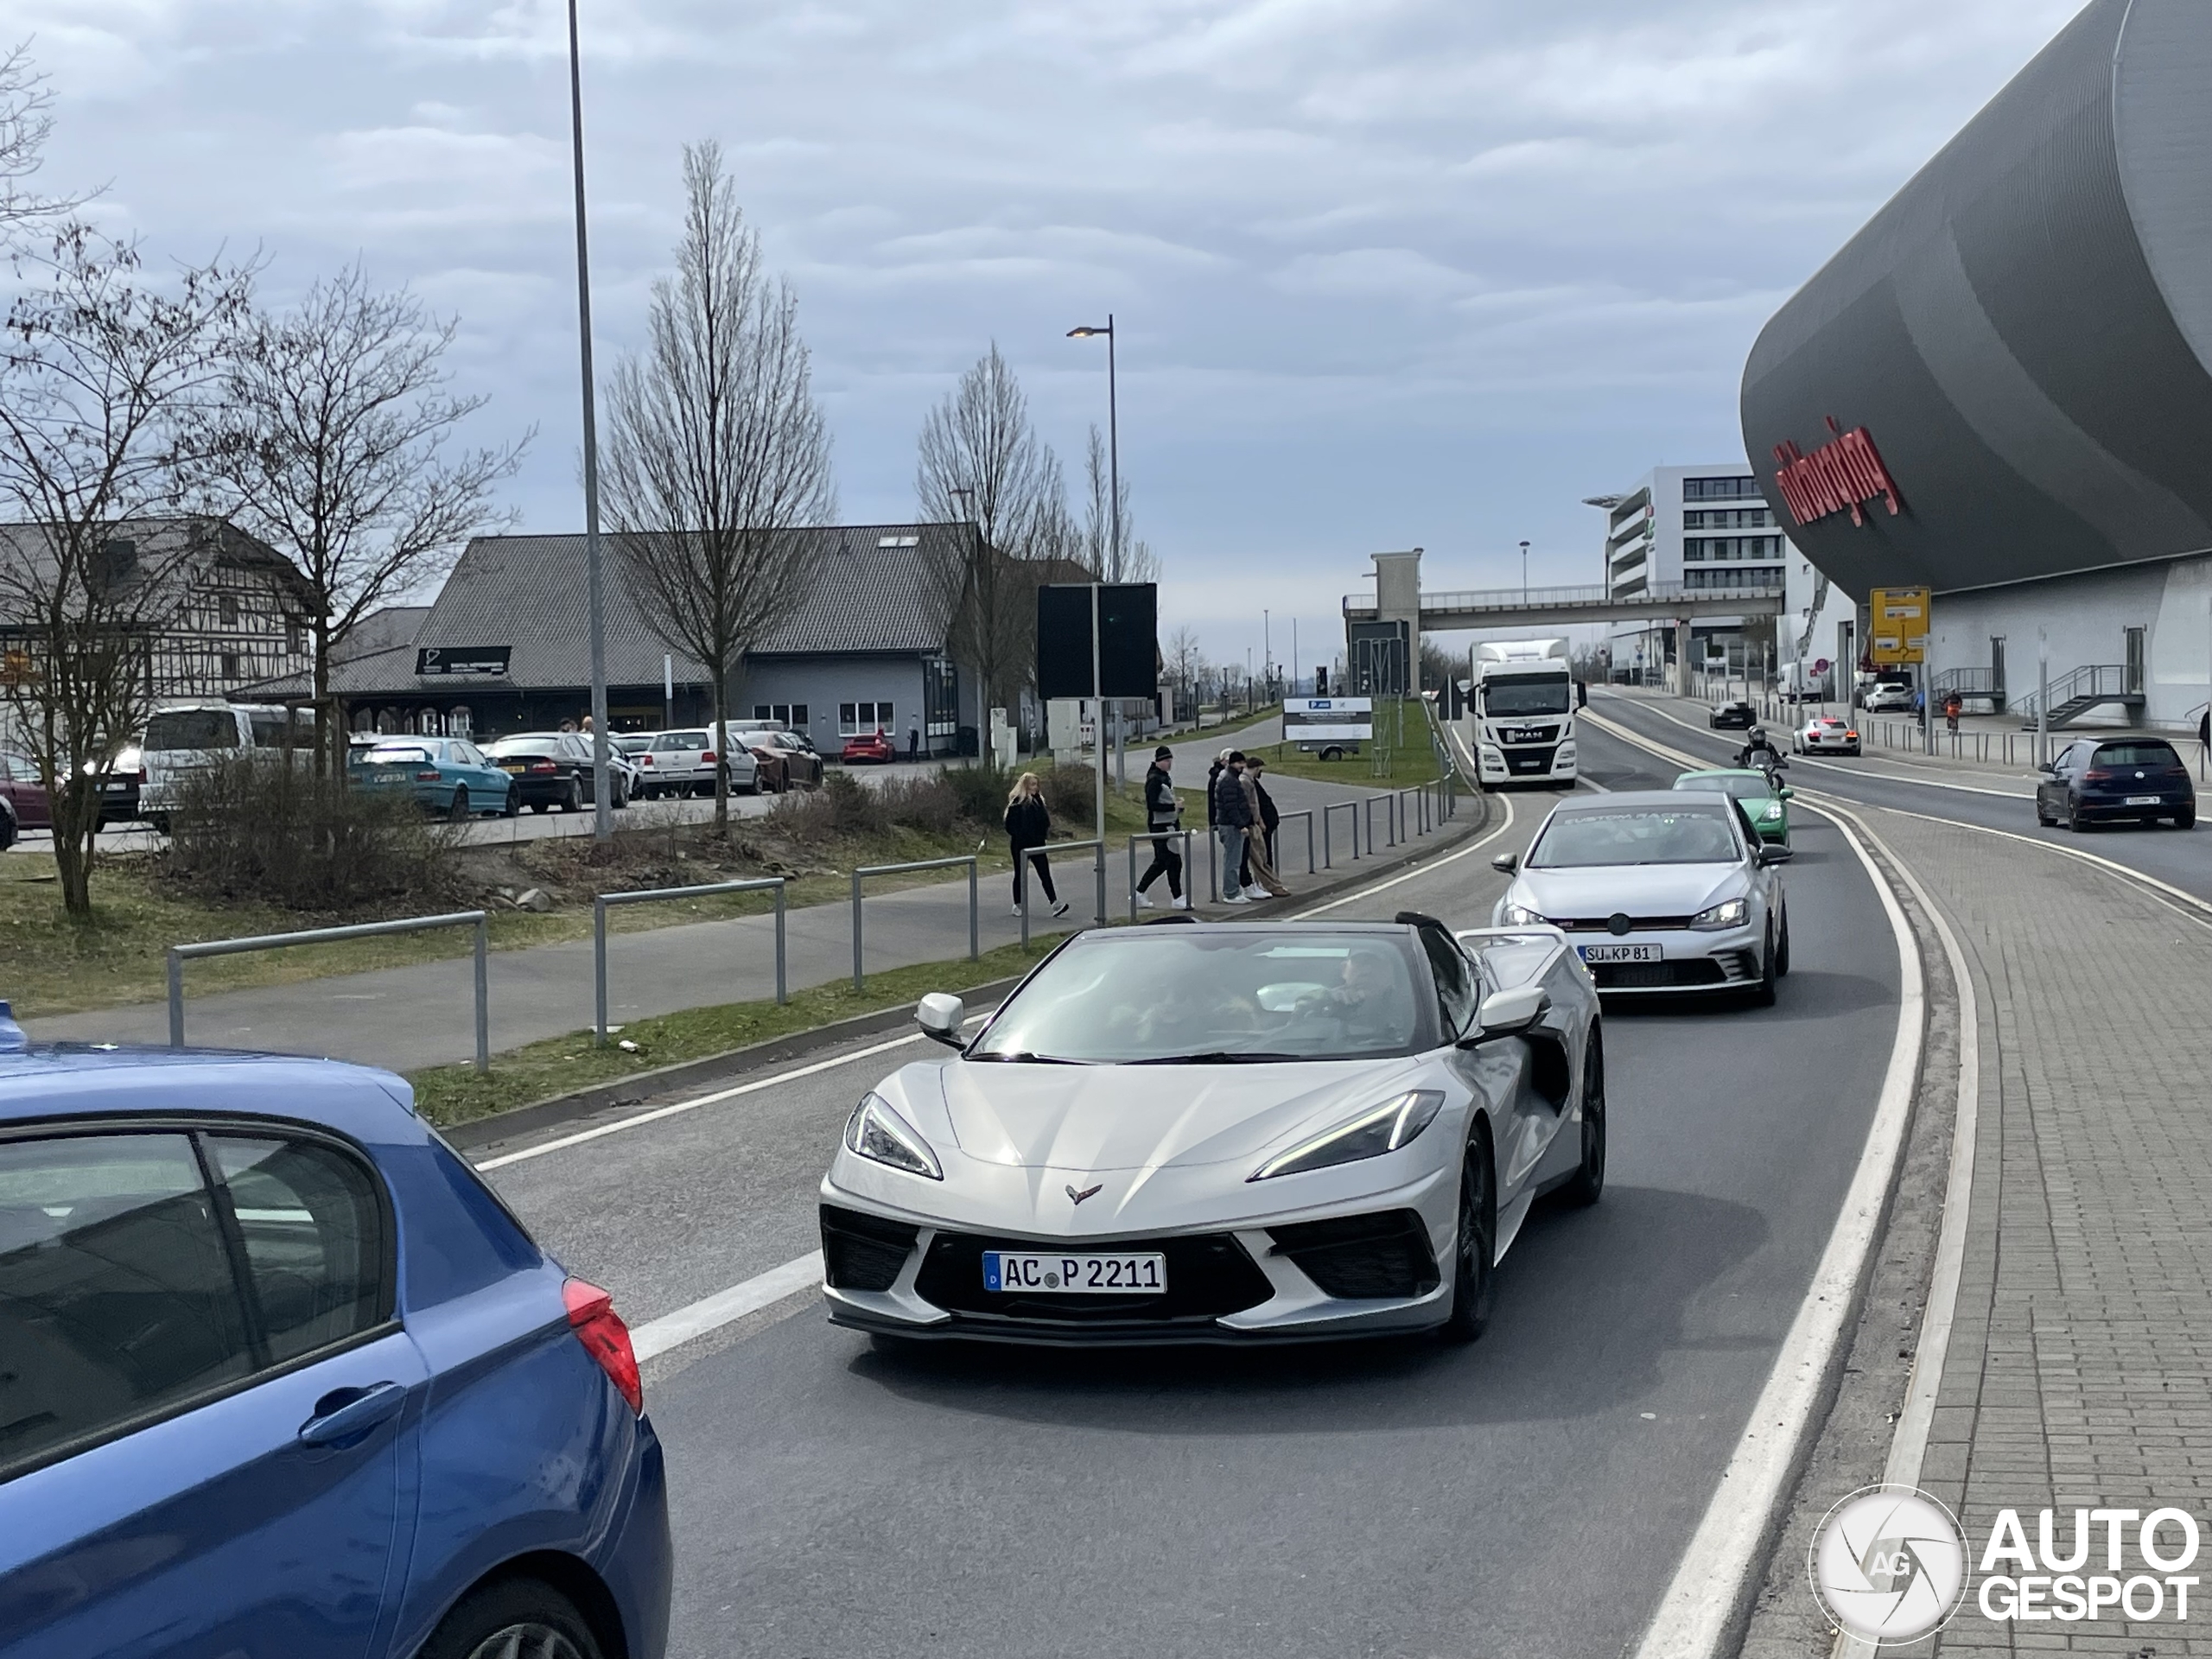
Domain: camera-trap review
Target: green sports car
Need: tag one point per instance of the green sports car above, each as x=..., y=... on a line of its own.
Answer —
x=1765, y=800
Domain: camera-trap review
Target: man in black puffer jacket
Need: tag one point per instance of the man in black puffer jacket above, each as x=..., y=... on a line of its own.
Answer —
x=1163, y=816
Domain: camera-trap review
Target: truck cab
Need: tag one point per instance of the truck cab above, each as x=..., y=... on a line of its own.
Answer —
x=1520, y=716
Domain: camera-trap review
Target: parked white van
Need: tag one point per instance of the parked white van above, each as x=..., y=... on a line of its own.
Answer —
x=187, y=735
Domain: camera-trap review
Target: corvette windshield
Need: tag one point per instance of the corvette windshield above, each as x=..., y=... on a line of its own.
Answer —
x=1173, y=994
x=1652, y=835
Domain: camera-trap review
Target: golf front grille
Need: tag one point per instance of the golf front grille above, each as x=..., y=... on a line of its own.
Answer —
x=1208, y=1274
x=862, y=1252
x=1363, y=1257
x=1661, y=975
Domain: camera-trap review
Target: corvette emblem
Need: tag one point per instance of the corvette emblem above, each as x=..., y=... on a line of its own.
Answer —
x=1075, y=1197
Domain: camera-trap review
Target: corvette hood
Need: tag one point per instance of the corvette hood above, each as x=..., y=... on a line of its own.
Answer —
x=1640, y=889
x=1107, y=1117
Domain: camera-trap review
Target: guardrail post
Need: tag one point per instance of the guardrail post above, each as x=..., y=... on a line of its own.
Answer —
x=1099, y=853
x=1027, y=878
x=1328, y=856
x=783, y=992
x=483, y=993
x=1132, y=878
x=176, y=999
x=974, y=912
x=599, y=970
x=857, y=981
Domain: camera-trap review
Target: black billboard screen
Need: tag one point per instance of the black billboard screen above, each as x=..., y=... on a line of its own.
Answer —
x=1128, y=635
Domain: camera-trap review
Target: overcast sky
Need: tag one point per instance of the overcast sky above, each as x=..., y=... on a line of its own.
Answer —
x=1387, y=273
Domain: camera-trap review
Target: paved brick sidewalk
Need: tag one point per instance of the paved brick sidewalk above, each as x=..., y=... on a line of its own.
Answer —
x=2077, y=1373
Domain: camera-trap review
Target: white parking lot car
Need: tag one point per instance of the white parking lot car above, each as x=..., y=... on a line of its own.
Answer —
x=1825, y=735
x=1223, y=1134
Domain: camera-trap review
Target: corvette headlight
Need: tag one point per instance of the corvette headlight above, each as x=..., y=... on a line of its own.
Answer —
x=1519, y=916
x=876, y=1132
x=1382, y=1128
x=1733, y=914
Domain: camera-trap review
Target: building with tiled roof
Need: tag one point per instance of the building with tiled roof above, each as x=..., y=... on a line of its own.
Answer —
x=506, y=647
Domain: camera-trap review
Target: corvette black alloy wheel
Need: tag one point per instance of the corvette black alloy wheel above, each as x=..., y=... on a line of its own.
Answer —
x=1590, y=1179
x=1475, y=1250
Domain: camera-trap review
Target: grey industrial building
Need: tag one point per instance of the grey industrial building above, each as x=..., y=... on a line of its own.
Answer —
x=2001, y=388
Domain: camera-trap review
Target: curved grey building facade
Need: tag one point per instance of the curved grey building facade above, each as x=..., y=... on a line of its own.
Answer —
x=2021, y=341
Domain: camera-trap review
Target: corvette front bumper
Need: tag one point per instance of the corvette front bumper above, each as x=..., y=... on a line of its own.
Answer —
x=1236, y=1284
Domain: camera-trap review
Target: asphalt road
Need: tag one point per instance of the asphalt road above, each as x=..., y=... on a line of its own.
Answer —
x=2183, y=858
x=1528, y=1496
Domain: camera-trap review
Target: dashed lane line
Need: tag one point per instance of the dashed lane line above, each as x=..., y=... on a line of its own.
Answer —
x=709, y=1313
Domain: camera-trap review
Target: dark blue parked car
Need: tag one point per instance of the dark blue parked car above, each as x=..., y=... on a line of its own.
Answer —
x=280, y=1378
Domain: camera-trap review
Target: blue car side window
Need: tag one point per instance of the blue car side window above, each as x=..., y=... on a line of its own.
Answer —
x=460, y=1237
x=312, y=1228
x=117, y=1298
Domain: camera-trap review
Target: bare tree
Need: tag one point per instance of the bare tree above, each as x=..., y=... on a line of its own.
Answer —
x=332, y=442
x=102, y=369
x=717, y=456
x=1130, y=560
x=982, y=464
x=1185, y=661
x=26, y=121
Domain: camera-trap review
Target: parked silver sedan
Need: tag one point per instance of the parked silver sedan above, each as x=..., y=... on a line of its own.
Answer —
x=1224, y=1134
x=1660, y=891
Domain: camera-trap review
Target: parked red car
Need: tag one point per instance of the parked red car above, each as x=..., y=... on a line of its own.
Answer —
x=876, y=750
x=23, y=803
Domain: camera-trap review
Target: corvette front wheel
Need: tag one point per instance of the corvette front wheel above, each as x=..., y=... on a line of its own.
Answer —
x=1589, y=1180
x=1474, y=1250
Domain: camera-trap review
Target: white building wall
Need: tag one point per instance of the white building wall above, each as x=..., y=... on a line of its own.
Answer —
x=1680, y=517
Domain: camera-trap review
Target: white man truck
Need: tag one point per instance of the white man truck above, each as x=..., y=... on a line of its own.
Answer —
x=1521, y=718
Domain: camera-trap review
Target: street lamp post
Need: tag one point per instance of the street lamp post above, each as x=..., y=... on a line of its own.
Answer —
x=1113, y=559
x=603, y=822
x=1524, y=573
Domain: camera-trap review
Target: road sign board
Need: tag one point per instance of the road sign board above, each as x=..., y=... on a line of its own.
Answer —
x=1820, y=665
x=1897, y=626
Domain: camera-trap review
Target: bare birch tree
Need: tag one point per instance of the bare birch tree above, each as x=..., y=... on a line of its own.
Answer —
x=717, y=456
x=333, y=442
x=26, y=121
x=981, y=463
x=102, y=369
x=1129, y=560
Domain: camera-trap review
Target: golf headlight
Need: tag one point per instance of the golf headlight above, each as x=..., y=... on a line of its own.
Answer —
x=1382, y=1128
x=1518, y=916
x=1772, y=809
x=1733, y=914
x=876, y=1132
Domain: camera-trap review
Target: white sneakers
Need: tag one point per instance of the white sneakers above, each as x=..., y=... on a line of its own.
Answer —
x=1234, y=896
x=1255, y=894
x=1017, y=910
x=1061, y=909
x=1144, y=903
x=1184, y=903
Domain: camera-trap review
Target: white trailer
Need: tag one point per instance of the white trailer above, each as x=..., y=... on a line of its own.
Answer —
x=1521, y=720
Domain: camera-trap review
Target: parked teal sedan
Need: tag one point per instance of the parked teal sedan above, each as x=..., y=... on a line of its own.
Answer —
x=450, y=775
x=1765, y=800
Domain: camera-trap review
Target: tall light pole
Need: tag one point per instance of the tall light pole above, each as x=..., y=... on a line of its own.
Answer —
x=1113, y=558
x=1524, y=573
x=602, y=821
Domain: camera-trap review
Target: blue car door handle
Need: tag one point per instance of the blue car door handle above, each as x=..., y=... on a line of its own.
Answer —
x=347, y=1412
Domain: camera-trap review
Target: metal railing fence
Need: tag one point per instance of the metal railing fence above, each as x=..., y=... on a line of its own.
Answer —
x=180, y=954
x=1029, y=877
x=602, y=902
x=1148, y=836
x=975, y=914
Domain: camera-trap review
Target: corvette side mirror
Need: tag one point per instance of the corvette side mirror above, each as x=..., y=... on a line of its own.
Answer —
x=1506, y=863
x=941, y=1015
x=1508, y=1014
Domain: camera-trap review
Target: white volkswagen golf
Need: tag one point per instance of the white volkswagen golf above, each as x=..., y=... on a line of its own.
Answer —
x=1223, y=1133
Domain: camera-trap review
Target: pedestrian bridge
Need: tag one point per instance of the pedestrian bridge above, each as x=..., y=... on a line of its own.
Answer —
x=1559, y=608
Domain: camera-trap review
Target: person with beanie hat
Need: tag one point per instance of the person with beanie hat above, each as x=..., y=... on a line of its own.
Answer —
x=1163, y=816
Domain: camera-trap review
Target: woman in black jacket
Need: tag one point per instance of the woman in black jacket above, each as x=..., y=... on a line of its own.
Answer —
x=1028, y=826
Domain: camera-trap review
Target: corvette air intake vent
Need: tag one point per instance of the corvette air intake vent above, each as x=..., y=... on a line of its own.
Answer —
x=1362, y=1256
x=863, y=1252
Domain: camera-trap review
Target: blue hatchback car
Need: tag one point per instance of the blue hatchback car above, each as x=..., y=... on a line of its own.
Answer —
x=280, y=1377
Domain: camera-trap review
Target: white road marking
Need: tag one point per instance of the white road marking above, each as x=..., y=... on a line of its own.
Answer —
x=725, y=1306
x=1909, y=1447
x=1712, y=1582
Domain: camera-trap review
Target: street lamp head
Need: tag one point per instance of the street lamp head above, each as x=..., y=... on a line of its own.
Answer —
x=1086, y=331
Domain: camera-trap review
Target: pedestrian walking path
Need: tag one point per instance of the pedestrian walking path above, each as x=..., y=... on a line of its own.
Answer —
x=2075, y=1376
x=405, y=1018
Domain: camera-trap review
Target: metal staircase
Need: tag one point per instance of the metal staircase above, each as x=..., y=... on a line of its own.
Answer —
x=2090, y=686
